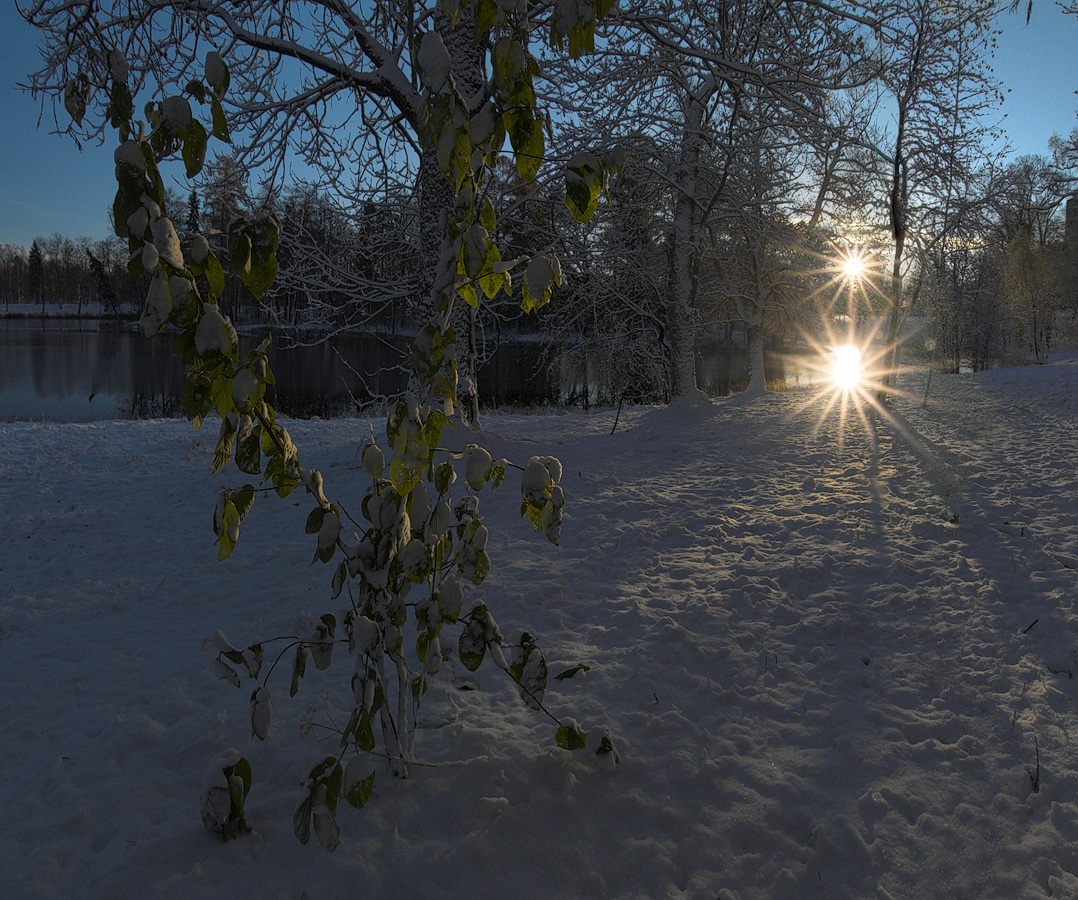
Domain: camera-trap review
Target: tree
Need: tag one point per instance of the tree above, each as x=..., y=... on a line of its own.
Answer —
x=192, y=224
x=422, y=536
x=679, y=73
x=36, y=276
x=936, y=74
x=344, y=267
x=340, y=86
x=13, y=273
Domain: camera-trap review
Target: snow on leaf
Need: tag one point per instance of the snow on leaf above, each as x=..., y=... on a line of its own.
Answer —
x=200, y=250
x=433, y=61
x=150, y=257
x=176, y=114
x=158, y=306
x=221, y=642
x=220, y=812
x=478, y=466
x=244, y=386
x=535, y=483
x=167, y=242
x=326, y=829
x=374, y=460
x=117, y=65
x=138, y=222
x=225, y=672
x=214, y=332
x=129, y=154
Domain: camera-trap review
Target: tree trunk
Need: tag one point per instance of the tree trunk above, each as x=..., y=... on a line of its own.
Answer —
x=757, y=386
x=682, y=301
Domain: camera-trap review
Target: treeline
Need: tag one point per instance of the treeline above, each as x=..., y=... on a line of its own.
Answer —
x=1005, y=291
x=69, y=273
x=758, y=148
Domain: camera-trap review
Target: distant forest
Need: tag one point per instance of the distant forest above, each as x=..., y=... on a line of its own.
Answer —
x=1007, y=293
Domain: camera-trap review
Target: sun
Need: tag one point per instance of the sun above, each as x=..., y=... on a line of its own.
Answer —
x=847, y=370
x=853, y=266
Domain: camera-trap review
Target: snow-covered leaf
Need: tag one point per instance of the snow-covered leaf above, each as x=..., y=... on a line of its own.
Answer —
x=261, y=712
x=167, y=242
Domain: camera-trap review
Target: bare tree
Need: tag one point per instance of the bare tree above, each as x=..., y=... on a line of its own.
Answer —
x=936, y=74
x=680, y=73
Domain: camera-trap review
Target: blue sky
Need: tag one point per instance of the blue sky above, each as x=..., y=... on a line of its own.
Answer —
x=48, y=186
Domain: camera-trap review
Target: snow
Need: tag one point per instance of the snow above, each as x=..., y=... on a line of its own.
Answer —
x=834, y=661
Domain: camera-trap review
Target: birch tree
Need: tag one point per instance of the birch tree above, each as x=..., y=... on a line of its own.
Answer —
x=935, y=70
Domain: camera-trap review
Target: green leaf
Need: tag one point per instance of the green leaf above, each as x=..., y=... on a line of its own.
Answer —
x=220, y=123
x=194, y=148
x=239, y=250
x=121, y=104
x=75, y=97
x=334, y=786
x=222, y=453
x=252, y=659
x=197, y=90
x=405, y=476
x=196, y=398
x=486, y=14
x=466, y=290
x=581, y=200
x=569, y=673
x=248, y=451
x=230, y=526
x=260, y=277
x=215, y=276
x=526, y=138
x=299, y=666
x=242, y=768
x=221, y=388
x=301, y=821
x=244, y=499
x=487, y=217
x=365, y=733
x=238, y=778
x=570, y=737
x=360, y=792
x=472, y=644
x=314, y=520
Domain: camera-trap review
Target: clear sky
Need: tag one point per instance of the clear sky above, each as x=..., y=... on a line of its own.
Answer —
x=48, y=186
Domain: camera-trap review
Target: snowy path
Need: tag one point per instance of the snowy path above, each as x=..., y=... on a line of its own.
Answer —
x=820, y=686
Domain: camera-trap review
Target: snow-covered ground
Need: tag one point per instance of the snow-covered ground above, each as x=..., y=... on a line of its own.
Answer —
x=838, y=662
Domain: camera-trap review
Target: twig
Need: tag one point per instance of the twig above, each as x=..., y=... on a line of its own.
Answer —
x=1029, y=627
x=617, y=415
x=1035, y=779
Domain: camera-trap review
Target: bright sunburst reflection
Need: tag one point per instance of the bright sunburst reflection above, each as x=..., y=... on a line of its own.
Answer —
x=853, y=371
x=846, y=369
x=853, y=265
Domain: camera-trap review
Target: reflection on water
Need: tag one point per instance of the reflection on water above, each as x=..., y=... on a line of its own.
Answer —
x=71, y=371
